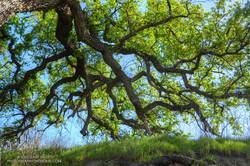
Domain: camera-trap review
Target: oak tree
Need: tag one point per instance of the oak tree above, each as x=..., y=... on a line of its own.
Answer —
x=142, y=65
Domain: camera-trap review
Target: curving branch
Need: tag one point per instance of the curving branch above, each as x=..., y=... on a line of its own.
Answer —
x=213, y=96
x=28, y=118
x=29, y=74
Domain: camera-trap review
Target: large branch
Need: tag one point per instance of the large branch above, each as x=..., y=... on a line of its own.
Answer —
x=9, y=8
x=82, y=28
x=159, y=66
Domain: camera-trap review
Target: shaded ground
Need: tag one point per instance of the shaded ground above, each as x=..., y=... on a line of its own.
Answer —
x=166, y=161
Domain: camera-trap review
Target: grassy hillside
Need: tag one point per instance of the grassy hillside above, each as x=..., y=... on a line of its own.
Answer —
x=140, y=150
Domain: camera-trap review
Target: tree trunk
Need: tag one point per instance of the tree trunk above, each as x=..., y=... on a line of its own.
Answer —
x=9, y=8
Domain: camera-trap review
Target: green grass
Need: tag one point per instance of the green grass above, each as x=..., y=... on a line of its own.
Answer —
x=148, y=148
x=151, y=147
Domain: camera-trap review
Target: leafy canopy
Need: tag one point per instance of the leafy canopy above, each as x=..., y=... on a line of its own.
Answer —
x=125, y=66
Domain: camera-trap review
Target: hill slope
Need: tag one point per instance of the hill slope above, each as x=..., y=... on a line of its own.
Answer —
x=149, y=151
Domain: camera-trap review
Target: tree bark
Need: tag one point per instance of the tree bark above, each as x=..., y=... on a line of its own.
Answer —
x=9, y=8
